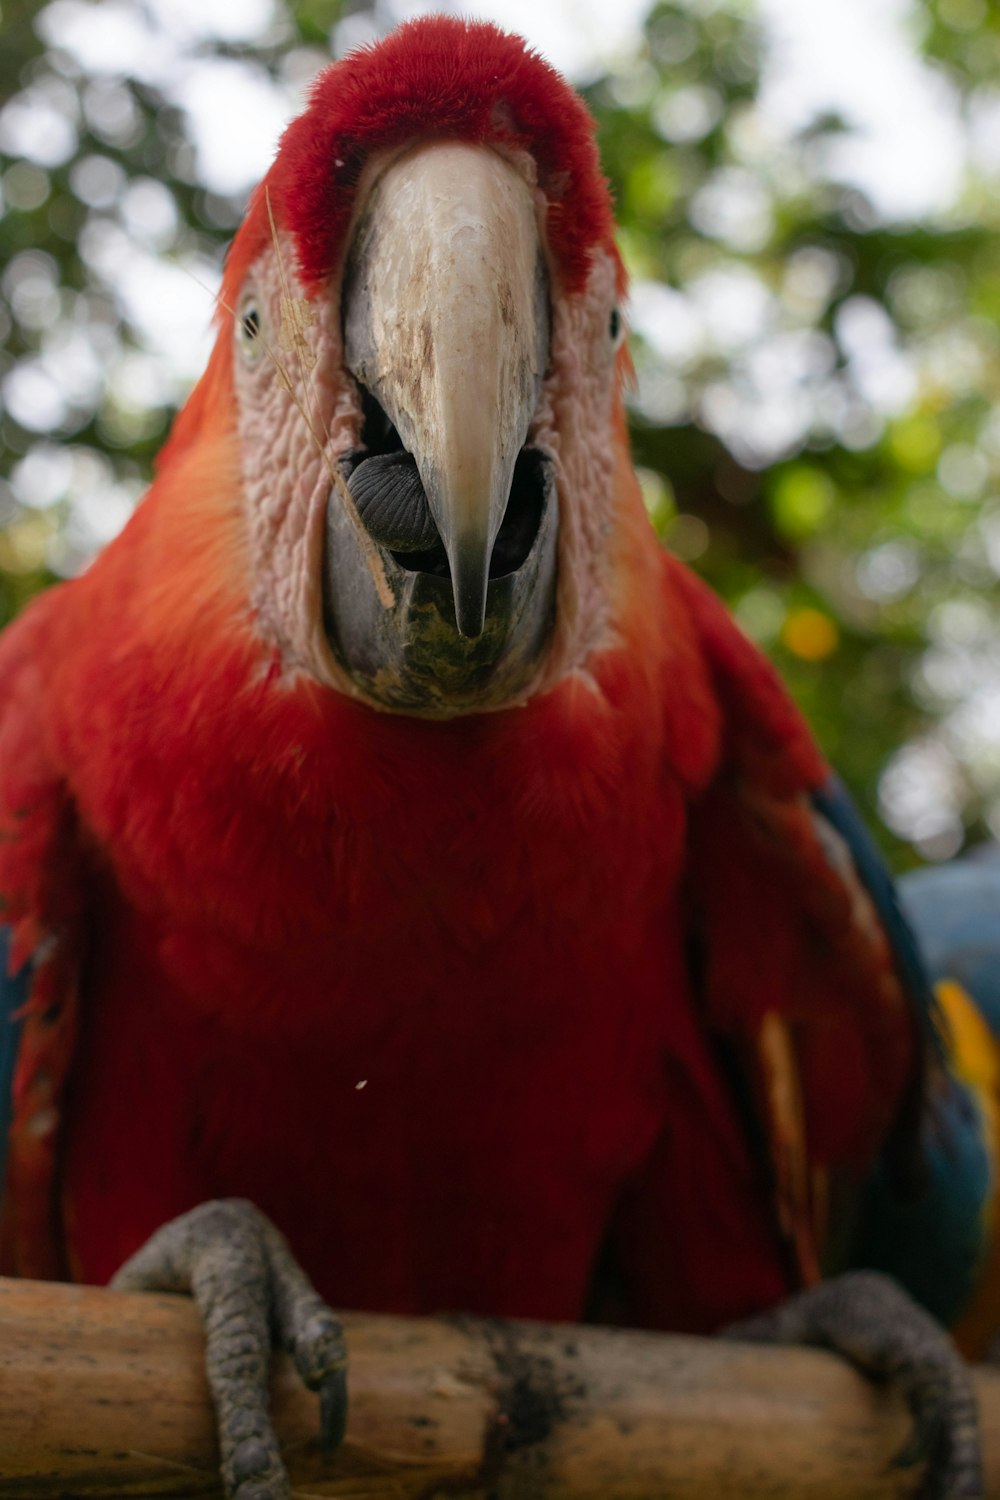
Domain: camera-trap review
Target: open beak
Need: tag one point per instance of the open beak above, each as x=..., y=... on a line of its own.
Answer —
x=446, y=325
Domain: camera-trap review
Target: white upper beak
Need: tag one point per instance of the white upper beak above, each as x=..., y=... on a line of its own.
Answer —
x=446, y=323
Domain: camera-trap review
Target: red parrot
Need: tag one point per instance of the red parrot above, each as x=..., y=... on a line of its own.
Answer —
x=393, y=835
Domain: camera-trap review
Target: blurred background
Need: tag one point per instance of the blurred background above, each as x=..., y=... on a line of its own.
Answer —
x=808, y=193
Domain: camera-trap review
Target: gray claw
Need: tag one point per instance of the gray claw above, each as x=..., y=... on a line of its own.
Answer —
x=246, y=1282
x=332, y=1410
x=873, y=1322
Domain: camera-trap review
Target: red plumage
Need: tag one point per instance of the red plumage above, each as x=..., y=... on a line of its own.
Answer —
x=438, y=77
x=457, y=1003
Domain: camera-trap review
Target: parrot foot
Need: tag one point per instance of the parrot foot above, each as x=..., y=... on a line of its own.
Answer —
x=246, y=1284
x=869, y=1319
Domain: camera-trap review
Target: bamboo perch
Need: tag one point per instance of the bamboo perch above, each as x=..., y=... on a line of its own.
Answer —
x=102, y=1393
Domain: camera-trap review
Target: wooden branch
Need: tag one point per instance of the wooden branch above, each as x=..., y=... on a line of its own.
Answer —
x=102, y=1393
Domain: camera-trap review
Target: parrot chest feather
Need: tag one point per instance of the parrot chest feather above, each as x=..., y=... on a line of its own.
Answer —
x=477, y=1081
x=433, y=1010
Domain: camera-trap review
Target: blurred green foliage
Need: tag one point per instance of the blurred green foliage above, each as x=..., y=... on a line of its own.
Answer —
x=833, y=467
x=814, y=411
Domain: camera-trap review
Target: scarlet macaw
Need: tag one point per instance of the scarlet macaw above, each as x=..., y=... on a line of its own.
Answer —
x=395, y=837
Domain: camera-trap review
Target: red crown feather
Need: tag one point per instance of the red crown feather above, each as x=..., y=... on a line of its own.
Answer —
x=433, y=76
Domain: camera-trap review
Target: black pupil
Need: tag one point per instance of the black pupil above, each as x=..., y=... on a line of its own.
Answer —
x=615, y=324
x=251, y=323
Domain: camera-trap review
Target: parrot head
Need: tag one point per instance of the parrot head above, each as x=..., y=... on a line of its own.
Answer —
x=420, y=322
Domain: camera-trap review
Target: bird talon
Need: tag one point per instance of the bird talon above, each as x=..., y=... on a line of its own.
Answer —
x=246, y=1282
x=332, y=1410
x=928, y=1432
x=870, y=1320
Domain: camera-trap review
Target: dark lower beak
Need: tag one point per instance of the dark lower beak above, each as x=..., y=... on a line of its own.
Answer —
x=409, y=654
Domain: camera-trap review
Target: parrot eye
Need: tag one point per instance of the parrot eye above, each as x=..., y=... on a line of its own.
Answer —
x=249, y=326
x=616, y=328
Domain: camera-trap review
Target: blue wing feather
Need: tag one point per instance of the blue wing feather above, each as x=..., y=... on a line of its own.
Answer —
x=934, y=1241
x=942, y=923
x=13, y=996
x=956, y=910
x=833, y=802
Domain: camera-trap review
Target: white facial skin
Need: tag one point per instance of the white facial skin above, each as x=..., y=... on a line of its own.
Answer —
x=297, y=414
x=574, y=423
x=299, y=411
